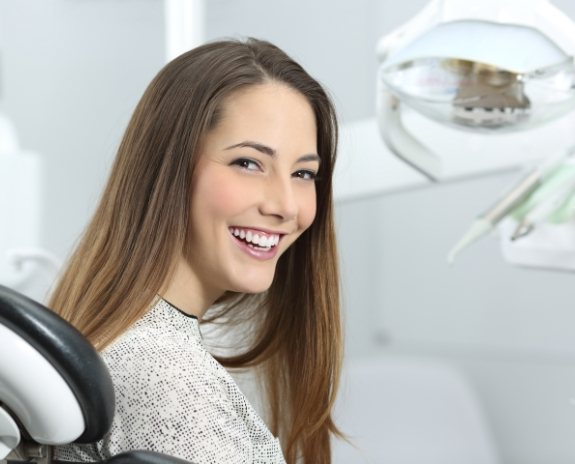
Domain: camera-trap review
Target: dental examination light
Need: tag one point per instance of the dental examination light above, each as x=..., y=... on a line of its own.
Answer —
x=493, y=66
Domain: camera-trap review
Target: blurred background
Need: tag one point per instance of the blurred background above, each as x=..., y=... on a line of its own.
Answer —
x=483, y=333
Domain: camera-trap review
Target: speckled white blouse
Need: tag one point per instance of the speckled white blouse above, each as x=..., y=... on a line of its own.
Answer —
x=173, y=397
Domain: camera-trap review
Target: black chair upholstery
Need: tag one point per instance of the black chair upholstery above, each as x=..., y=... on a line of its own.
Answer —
x=77, y=363
x=144, y=457
x=69, y=353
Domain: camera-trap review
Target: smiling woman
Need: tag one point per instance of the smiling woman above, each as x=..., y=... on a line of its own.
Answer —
x=219, y=204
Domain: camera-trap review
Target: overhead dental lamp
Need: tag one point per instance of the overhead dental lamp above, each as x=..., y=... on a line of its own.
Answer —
x=493, y=66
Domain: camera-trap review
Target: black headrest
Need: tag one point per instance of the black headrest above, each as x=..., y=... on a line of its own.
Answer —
x=70, y=354
x=144, y=457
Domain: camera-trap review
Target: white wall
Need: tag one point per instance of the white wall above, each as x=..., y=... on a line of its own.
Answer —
x=72, y=71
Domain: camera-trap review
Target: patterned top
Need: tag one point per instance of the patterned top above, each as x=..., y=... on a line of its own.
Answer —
x=173, y=397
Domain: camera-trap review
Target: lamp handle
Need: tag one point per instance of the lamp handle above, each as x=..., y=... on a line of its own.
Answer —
x=401, y=142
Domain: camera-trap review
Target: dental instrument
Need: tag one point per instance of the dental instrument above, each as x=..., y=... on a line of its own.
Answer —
x=565, y=213
x=551, y=203
x=487, y=221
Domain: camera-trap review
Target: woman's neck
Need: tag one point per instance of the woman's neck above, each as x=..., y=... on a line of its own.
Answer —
x=185, y=291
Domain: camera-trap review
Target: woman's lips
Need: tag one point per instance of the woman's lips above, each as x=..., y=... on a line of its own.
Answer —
x=256, y=243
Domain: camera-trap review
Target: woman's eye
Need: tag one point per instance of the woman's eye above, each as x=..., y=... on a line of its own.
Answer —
x=247, y=164
x=306, y=174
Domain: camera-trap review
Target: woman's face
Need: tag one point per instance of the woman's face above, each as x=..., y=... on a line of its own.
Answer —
x=253, y=191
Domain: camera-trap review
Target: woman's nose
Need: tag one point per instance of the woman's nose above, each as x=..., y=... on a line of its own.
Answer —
x=279, y=199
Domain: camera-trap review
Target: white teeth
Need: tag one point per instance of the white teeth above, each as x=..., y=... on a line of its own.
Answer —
x=261, y=241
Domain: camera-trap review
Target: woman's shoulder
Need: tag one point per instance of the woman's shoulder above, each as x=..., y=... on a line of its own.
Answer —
x=160, y=331
x=172, y=396
x=162, y=344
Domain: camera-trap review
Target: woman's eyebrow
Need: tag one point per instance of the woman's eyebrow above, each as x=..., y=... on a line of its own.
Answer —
x=270, y=151
x=255, y=145
x=310, y=157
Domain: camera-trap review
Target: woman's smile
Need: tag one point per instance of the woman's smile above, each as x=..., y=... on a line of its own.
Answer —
x=257, y=243
x=257, y=237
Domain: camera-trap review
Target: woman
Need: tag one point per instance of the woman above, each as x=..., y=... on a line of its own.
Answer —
x=220, y=197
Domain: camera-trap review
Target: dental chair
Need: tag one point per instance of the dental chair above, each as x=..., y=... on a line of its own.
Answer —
x=410, y=410
x=54, y=387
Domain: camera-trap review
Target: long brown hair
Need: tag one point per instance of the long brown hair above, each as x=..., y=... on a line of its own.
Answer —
x=129, y=248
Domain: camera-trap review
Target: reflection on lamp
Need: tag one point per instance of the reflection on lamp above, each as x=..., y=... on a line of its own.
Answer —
x=456, y=66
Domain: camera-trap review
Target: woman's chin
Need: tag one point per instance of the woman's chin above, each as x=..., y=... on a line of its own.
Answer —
x=253, y=287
